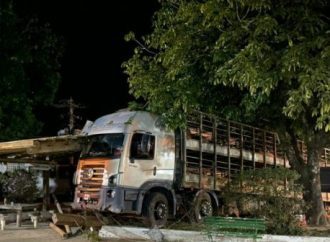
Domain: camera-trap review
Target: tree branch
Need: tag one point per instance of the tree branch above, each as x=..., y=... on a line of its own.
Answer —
x=247, y=12
x=294, y=143
x=144, y=47
x=239, y=19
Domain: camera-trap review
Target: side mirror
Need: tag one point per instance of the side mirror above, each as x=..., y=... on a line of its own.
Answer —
x=87, y=127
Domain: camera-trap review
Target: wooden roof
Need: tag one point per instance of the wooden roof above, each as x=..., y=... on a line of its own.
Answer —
x=40, y=148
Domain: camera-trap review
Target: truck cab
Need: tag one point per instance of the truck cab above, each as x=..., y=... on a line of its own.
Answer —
x=129, y=159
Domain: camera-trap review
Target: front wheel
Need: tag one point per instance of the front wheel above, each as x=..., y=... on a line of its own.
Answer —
x=156, y=210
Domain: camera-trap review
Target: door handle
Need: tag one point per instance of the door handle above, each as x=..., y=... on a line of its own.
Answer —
x=155, y=170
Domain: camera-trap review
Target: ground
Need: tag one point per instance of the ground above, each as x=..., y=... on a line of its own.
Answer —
x=43, y=233
x=29, y=234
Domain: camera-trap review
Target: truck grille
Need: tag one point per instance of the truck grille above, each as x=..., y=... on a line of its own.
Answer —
x=91, y=178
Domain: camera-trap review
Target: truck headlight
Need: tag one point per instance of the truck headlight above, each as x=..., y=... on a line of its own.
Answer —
x=111, y=193
x=113, y=179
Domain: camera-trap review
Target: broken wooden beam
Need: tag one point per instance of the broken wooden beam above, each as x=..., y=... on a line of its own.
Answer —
x=45, y=188
x=43, y=146
x=16, y=146
x=76, y=220
x=59, y=209
x=58, y=230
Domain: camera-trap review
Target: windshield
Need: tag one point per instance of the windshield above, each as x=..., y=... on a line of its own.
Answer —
x=104, y=145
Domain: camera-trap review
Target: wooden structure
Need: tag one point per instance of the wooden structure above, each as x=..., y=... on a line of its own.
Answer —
x=18, y=208
x=76, y=220
x=41, y=152
x=37, y=150
x=62, y=223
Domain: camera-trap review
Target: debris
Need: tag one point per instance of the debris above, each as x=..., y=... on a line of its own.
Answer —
x=76, y=220
x=59, y=208
x=156, y=235
x=58, y=230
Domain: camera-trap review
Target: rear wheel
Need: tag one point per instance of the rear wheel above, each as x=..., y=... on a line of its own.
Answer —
x=202, y=207
x=156, y=210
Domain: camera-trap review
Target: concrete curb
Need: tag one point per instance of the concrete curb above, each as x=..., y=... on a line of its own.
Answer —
x=135, y=233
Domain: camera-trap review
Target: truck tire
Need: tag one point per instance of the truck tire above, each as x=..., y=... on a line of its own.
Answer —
x=156, y=210
x=202, y=207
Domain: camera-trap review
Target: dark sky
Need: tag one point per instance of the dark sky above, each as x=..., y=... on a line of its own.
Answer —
x=93, y=32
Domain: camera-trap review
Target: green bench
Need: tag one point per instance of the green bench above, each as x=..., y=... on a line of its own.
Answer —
x=234, y=227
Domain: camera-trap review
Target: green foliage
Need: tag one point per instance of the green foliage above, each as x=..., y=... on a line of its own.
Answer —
x=29, y=72
x=136, y=106
x=240, y=58
x=255, y=61
x=261, y=193
x=93, y=236
x=19, y=186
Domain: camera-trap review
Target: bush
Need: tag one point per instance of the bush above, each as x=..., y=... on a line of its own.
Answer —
x=19, y=186
x=269, y=193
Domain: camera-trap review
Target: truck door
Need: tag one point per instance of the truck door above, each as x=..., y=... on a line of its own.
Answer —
x=141, y=165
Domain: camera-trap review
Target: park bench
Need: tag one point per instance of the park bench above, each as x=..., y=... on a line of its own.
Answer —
x=2, y=221
x=19, y=208
x=234, y=227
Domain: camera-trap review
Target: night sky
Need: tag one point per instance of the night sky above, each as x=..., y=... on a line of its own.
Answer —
x=95, y=48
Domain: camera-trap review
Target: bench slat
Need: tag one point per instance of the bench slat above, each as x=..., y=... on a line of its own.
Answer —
x=240, y=225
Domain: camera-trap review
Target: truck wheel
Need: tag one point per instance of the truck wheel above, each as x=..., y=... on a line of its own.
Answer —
x=202, y=207
x=156, y=210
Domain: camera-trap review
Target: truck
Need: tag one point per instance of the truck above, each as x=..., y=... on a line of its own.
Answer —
x=133, y=164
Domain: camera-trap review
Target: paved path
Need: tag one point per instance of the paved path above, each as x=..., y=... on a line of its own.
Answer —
x=27, y=233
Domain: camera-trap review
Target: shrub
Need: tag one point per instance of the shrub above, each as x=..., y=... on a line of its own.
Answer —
x=19, y=186
x=270, y=193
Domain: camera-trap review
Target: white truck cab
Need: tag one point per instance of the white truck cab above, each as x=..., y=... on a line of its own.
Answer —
x=128, y=153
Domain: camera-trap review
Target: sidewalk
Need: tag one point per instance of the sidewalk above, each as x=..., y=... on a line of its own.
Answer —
x=27, y=233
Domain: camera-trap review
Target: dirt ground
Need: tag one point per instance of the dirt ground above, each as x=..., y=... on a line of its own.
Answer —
x=27, y=233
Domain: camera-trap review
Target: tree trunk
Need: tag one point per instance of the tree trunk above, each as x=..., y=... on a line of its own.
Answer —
x=316, y=211
x=310, y=175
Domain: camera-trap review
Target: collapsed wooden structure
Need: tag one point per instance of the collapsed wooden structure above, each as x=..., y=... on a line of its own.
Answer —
x=42, y=153
x=40, y=150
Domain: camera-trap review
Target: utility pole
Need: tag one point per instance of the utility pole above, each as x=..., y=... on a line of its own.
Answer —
x=72, y=106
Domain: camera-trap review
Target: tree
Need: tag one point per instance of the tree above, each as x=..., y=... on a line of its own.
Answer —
x=264, y=62
x=29, y=72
